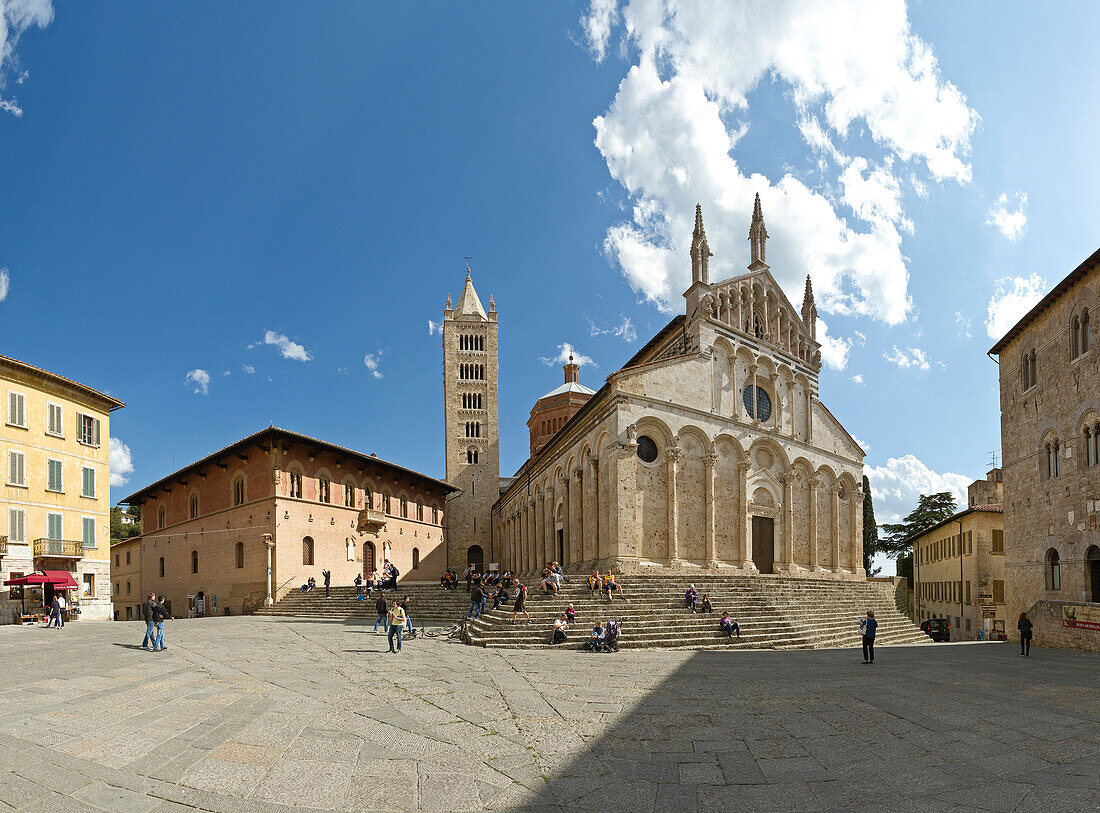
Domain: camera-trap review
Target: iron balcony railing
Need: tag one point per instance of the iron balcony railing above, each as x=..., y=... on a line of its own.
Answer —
x=61, y=548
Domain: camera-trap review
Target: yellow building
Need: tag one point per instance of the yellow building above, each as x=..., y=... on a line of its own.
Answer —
x=959, y=565
x=55, y=449
x=126, y=579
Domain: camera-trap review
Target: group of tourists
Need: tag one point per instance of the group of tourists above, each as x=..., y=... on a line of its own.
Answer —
x=693, y=602
x=57, y=611
x=603, y=638
x=386, y=580
x=155, y=612
x=606, y=582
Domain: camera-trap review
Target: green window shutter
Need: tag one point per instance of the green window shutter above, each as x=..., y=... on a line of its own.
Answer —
x=88, y=537
x=95, y=425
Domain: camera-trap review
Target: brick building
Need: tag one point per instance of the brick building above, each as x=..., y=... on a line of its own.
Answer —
x=959, y=565
x=204, y=526
x=126, y=594
x=551, y=412
x=1049, y=371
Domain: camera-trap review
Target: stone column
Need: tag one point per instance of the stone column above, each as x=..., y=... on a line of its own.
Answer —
x=752, y=376
x=673, y=455
x=710, y=460
x=790, y=401
x=594, y=522
x=835, y=490
x=532, y=519
x=269, y=543
x=548, y=541
x=540, y=524
x=578, y=476
x=568, y=499
x=788, y=521
x=855, y=544
x=814, y=483
x=745, y=514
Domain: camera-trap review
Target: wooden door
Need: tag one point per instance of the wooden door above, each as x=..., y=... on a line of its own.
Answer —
x=763, y=543
x=368, y=559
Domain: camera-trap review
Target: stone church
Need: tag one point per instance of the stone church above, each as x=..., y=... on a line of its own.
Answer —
x=708, y=450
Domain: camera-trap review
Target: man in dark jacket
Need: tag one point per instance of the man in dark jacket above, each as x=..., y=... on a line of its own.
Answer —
x=358, y=585
x=160, y=615
x=328, y=579
x=147, y=614
x=477, y=600
x=383, y=609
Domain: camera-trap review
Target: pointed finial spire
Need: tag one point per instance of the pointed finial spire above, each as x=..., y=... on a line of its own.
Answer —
x=809, y=309
x=758, y=236
x=467, y=258
x=700, y=251
x=448, y=301
x=492, y=304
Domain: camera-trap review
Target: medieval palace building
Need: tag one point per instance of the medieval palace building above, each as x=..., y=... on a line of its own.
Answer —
x=709, y=449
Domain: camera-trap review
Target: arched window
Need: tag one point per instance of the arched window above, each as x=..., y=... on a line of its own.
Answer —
x=240, y=554
x=471, y=455
x=194, y=506
x=162, y=567
x=307, y=551
x=161, y=515
x=238, y=490
x=194, y=561
x=385, y=502
x=323, y=489
x=369, y=497
x=420, y=512
x=295, y=484
x=1085, y=340
x=1075, y=337
x=1053, y=467
x=404, y=508
x=1054, y=570
x=416, y=558
x=349, y=495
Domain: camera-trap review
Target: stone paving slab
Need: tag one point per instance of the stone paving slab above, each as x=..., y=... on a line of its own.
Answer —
x=269, y=714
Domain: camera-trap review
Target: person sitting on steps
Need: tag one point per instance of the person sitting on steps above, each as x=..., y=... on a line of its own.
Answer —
x=691, y=598
x=500, y=595
x=556, y=568
x=728, y=625
x=560, y=626
x=610, y=584
x=595, y=582
x=705, y=606
x=570, y=613
x=595, y=639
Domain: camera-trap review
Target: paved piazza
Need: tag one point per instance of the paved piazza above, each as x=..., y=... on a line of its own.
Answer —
x=273, y=714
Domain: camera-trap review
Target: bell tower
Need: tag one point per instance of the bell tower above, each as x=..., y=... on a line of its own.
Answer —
x=470, y=426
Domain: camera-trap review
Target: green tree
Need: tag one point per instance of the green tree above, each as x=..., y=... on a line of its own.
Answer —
x=931, y=508
x=870, y=530
x=121, y=528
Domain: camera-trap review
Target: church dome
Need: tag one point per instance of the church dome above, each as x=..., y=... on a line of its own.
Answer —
x=552, y=411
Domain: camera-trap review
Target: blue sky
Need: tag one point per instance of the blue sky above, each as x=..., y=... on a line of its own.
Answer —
x=281, y=197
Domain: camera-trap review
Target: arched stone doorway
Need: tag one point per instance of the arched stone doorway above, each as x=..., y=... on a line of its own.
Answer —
x=1092, y=572
x=368, y=559
x=475, y=556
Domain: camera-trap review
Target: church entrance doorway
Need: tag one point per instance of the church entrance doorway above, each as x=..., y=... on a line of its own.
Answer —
x=475, y=557
x=763, y=543
x=368, y=559
x=1092, y=575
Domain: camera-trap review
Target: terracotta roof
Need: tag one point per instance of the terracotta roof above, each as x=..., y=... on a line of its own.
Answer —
x=111, y=402
x=1075, y=275
x=275, y=431
x=992, y=508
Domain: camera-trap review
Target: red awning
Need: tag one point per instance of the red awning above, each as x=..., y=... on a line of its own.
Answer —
x=60, y=579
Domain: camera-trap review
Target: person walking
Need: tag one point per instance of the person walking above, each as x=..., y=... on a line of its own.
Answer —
x=327, y=576
x=147, y=613
x=359, y=585
x=1026, y=629
x=55, y=614
x=867, y=627
x=521, y=602
x=397, y=623
x=62, y=605
x=160, y=615
x=382, y=609
x=477, y=600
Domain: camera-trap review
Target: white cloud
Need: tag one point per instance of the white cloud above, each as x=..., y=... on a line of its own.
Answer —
x=200, y=379
x=625, y=329
x=834, y=351
x=1012, y=298
x=287, y=348
x=670, y=135
x=434, y=327
x=122, y=462
x=963, y=324
x=597, y=24
x=864, y=445
x=248, y=368
x=370, y=360
x=5, y=284
x=1008, y=215
x=16, y=16
x=226, y=372
x=913, y=358
x=857, y=378
x=565, y=350
x=896, y=486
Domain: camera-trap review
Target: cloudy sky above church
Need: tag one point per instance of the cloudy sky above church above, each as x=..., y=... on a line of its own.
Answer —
x=230, y=215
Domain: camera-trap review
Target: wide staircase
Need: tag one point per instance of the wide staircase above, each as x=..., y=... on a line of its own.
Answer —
x=429, y=604
x=774, y=612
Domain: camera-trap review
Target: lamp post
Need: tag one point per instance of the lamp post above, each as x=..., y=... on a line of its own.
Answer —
x=269, y=543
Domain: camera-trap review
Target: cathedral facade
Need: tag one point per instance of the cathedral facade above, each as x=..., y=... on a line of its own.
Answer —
x=708, y=450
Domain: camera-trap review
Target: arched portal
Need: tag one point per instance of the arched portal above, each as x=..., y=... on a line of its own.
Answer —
x=368, y=558
x=475, y=556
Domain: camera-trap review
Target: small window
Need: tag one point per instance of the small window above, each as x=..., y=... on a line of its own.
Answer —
x=385, y=503
x=416, y=558
x=471, y=455
x=296, y=484
x=16, y=526
x=647, y=449
x=16, y=409
x=194, y=506
x=161, y=517
x=54, y=526
x=435, y=515
x=127, y=588
x=17, y=469
x=87, y=532
x=349, y=495
x=238, y=491
x=162, y=567
x=240, y=555
x=87, y=429
x=307, y=551
x=1053, y=570
x=194, y=561
x=88, y=586
x=87, y=482
x=404, y=508
x=757, y=403
x=116, y=560
x=419, y=512
x=998, y=591
x=998, y=541
x=54, y=421
x=323, y=486
x=127, y=558
x=369, y=496
x=53, y=475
